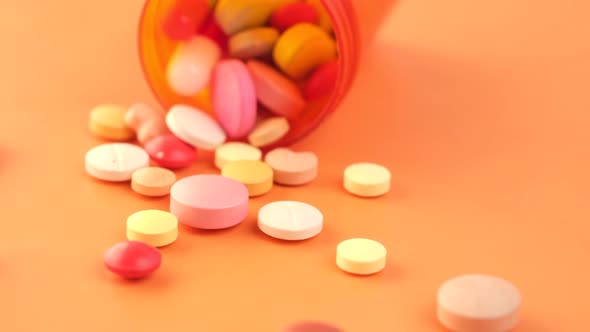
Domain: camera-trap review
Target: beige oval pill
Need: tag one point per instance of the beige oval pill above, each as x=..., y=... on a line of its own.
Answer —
x=367, y=179
x=269, y=131
x=253, y=43
x=292, y=168
x=235, y=151
x=108, y=121
x=154, y=227
x=361, y=256
x=478, y=303
x=290, y=220
x=153, y=181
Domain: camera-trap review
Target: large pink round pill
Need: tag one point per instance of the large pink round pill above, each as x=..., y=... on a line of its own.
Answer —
x=209, y=201
x=132, y=259
x=170, y=152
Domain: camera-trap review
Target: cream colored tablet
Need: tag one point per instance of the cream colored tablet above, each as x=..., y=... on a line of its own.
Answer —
x=290, y=220
x=195, y=127
x=153, y=181
x=367, y=180
x=361, y=256
x=108, y=121
x=292, y=168
x=115, y=162
x=154, y=227
x=235, y=151
x=269, y=131
x=254, y=174
x=478, y=303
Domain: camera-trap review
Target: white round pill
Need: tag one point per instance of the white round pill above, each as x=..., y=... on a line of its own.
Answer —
x=290, y=220
x=115, y=162
x=195, y=127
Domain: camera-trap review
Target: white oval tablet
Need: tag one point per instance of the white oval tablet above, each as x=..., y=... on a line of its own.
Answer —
x=479, y=303
x=195, y=127
x=290, y=220
x=115, y=162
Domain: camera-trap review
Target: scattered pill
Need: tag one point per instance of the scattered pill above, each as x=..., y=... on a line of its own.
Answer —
x=154, y=227
x=170, y=152
x=146, y=121
x=367, y=180
x=290, y=220
x=361, y=256
x=234, y=98
x=256, y=175
x=115, y=162
x=195, y=127
x=312, y=326
x=185, y=17
x=132, y=259
x=209, y=201
x=108, y=121
x=322, y=81
x=269, y=131
x=235, y=151
x=253, y=43
x=189, y=69
x=302, y=48
x=478, y=303
x=293, y=13
x=275, y=91
x=152, y=181
x=292, y=168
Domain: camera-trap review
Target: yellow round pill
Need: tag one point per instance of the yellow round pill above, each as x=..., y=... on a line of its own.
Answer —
x=361, y=256
x=367, y=180
x=235, y=151
x=153, y=181
x=256, y=175
x=302, y=48
x=108, y=121
x=252, y=43
x=154, y=227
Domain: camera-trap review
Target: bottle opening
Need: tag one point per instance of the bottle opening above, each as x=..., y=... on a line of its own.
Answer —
x=268, y=71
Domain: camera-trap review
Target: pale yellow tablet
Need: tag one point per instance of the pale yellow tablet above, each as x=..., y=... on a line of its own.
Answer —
x=361, y=256
x=108, y=121
x=269, y=131
x=235, y=151
x=256, y=175
x=154, y=227
x=367, y=180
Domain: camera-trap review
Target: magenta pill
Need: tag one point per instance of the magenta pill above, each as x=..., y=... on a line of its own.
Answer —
x=168, y=151
x=209, y=201
x=132, y=259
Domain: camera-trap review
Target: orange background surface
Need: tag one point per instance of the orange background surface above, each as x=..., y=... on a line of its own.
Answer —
x=480, y=109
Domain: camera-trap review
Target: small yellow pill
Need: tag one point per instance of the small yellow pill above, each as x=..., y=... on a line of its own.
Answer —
x=361, y=256
x=153, y=181
x=252, y=43
x=108, y=121
x=302, y=48
x=367, y=180
x=256, y=175
x=235, y=151
x=269, y=131
x=154, y=227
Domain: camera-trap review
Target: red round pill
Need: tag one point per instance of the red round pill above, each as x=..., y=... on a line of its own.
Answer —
x=322, y=81
x=168, y=151
x=312, y=326
x=132, y=259
x=185, y=18
x=293, y=13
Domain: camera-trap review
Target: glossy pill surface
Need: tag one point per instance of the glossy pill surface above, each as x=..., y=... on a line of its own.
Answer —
x=132, y=259
x=361, y=256
x=290, y=220
x=115, y=162
x=154, y=227
x=170, y=152
x=152, y=181
x=195, y=127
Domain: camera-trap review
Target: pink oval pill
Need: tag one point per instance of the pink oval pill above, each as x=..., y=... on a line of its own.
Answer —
x=170, y=152
x=209, y=201
x=234, y=99
x=312, y=326
x=322, y=81
x=275, y=91
x=132, y=259
x=293, y=13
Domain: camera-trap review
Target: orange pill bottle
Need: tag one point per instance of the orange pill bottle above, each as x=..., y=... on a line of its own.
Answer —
x=354, y=24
